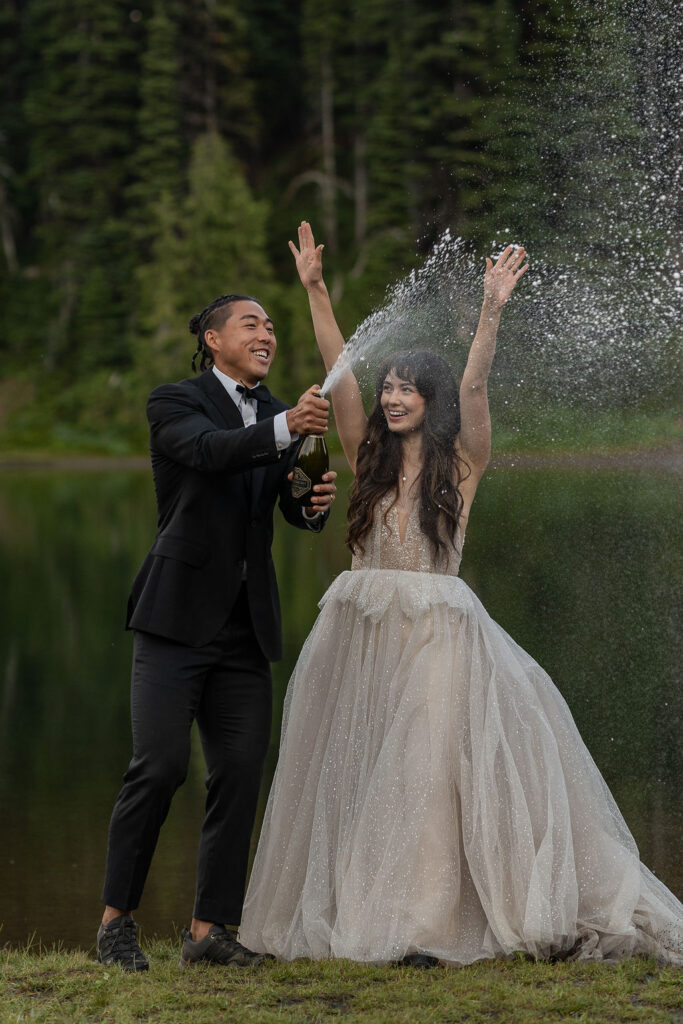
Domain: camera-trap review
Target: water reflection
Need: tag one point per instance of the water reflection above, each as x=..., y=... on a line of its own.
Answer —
x=577, y=566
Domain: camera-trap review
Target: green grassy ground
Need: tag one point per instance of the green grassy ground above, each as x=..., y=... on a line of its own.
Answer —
x=55, y=987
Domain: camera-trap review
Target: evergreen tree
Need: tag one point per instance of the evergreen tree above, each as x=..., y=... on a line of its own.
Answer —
x=323, y=27
x=12, y=139
x=600, y=143
x=223, y=226
x=22, y=296
x=213, y=243
x=161, y=343
x=394, y=159
x=471, y=77
x=361, y=94
x=215, y=91
x=81, y=110
x=279, y=154
x=158, y=157
x=550, y=109
x=273, y=40
x=153, y=157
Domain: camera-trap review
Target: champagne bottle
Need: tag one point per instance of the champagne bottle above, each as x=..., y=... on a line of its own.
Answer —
x=311, y=462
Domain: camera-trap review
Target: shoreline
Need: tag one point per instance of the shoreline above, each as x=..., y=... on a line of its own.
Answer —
x=657, y=458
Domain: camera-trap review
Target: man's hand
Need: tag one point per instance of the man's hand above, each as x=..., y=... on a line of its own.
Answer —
x=323, y=494
x=311, y=413
x=309, y=257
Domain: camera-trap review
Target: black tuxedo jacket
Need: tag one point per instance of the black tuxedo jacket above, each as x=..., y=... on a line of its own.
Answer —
x=216, y=484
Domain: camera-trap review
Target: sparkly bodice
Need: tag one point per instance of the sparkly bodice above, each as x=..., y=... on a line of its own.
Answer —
x=385, y=550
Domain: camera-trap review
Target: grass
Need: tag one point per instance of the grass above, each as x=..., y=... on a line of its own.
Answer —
x=58, y=987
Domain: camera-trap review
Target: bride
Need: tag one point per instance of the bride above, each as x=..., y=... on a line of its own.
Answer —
x=433, y=799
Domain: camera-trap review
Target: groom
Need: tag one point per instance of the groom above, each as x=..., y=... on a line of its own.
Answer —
x=205, y=611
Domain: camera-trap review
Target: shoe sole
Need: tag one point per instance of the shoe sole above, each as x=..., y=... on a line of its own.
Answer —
x=427, y=964
x=126, y=970
x=117, y=963
x=218, y=963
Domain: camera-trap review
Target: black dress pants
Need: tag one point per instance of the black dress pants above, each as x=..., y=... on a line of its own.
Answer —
x=226, y=686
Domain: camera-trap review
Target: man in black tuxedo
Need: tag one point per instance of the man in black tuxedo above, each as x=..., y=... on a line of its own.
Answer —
x=205, y=611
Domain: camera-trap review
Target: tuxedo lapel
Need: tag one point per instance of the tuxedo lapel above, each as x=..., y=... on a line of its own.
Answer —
x=264, y=411
x=229, y=414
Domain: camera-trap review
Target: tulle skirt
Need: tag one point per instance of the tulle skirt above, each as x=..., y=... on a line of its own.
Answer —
x=434, y=795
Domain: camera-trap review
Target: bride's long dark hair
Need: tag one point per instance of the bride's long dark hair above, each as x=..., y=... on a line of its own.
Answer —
x=379, y=457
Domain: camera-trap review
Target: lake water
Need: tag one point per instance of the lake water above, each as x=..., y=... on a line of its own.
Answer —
x=579, y=566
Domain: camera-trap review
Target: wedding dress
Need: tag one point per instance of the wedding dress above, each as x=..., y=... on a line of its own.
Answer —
x=433, y=793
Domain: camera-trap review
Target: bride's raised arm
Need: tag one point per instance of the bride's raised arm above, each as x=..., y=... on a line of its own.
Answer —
x=474, y=440
x=347, y=402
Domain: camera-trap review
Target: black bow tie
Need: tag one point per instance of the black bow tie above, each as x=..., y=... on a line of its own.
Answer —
x=260, y=393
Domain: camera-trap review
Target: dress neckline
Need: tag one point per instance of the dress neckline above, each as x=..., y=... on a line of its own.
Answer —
x=408, y=518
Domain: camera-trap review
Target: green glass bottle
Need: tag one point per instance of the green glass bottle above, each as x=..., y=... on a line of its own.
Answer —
x=311, y=462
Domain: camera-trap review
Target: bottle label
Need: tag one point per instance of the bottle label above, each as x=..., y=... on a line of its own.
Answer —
x=300, y=482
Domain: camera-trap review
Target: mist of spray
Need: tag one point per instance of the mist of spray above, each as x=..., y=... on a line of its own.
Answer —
x=597, y=318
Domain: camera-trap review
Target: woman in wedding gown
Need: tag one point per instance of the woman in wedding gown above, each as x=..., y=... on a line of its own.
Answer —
x=433, y=799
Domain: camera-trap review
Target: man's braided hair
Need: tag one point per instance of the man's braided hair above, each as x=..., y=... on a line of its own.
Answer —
x=211, y=318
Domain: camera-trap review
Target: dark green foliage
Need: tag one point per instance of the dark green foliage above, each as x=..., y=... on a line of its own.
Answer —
x=215, y=83
x=211, y=243
x=12, y=135
x=151, y=156
x=158, y=156
x=80, y=107
x=273, y=42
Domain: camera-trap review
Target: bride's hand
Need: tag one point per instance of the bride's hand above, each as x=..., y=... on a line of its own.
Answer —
x=309, y=257
x=500, y=279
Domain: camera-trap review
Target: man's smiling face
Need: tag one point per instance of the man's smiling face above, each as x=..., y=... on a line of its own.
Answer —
x=245, y=345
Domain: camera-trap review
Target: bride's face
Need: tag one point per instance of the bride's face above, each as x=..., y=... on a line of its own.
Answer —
x=402, y=403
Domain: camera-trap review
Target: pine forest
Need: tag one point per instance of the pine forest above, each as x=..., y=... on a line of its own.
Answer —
x=156, y=156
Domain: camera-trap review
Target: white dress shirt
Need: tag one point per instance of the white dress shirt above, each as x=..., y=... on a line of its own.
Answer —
x=247, y=408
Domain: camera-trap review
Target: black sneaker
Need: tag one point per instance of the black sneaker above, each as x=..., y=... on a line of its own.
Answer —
x=117, y=943
x=420, y=960
x=218, y=947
